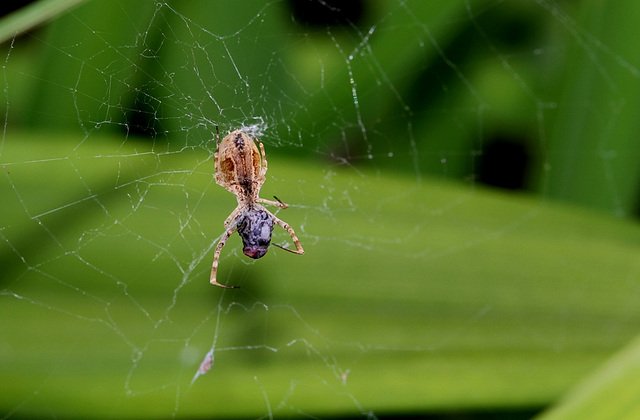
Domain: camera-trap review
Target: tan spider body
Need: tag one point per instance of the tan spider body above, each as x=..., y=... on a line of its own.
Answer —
x=241, y=169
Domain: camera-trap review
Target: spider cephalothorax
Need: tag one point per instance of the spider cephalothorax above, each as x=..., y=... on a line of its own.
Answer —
x=241, y=168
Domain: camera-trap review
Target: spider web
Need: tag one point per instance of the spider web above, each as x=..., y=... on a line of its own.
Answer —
x=111, y=211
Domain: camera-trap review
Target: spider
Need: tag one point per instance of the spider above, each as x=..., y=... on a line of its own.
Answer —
x=241, y=169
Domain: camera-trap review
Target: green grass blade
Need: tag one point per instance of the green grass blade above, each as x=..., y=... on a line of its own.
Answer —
x=35, y=14
x=408, y=299
x=610, y=393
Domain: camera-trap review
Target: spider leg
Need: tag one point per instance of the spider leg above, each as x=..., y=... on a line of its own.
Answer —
x=263, y=171
x=299, y=250
x=232, y=216
x=216, y=258
x=273, y=203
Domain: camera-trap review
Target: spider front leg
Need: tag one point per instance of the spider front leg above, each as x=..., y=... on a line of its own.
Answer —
x=216, y=257
x=299, y=250
x=273, y=203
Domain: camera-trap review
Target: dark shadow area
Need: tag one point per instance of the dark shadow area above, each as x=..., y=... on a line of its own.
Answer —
x=523, y=413
x=327, y=13
x=7, y=7
x=504, y=162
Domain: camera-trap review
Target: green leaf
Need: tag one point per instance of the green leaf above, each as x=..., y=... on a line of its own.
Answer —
x=611, y=392
x=34, y=14
x=409, y=298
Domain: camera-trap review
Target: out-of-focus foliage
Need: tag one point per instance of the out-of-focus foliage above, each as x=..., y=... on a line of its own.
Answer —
x=546, y=86
x=610, y=393
x=535, y=298
x=515, y=299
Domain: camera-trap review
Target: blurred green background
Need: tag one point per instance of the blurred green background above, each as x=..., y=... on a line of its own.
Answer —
x=463, y=176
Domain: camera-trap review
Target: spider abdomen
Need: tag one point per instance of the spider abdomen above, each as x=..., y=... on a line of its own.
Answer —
x=255, y=227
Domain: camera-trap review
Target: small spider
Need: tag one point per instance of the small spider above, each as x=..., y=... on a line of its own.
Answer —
x=241, y=168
